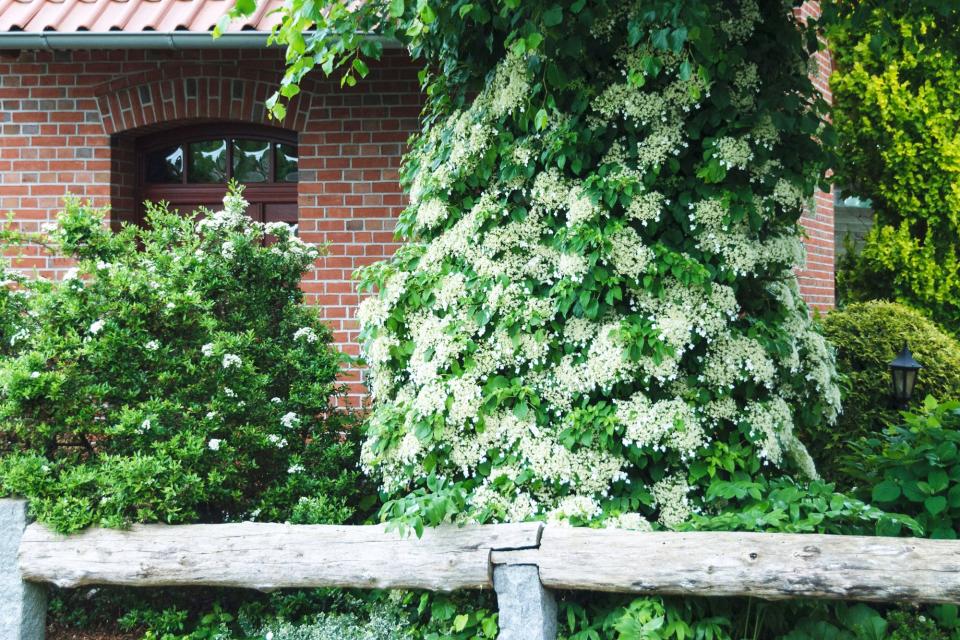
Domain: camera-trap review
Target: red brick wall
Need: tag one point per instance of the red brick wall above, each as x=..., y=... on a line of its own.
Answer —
x=817, y=278
x=68, y=121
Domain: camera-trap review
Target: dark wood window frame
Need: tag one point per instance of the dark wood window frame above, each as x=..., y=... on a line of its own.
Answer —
x=270, y=201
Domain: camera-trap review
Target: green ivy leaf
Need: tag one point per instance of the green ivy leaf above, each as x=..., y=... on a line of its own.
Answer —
x=886, y=491
x=540, y=120
x=442, y=609
x=553, y=16
x=953, y=496
x=245, y=7
x=935, y=505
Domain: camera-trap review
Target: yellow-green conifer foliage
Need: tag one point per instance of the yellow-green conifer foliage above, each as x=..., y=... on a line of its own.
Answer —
x=897, y=100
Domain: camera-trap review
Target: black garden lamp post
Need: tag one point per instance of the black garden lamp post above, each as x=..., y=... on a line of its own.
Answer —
x=903, y=371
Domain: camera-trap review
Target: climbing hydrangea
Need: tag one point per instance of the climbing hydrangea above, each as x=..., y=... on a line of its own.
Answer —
x=598, y=295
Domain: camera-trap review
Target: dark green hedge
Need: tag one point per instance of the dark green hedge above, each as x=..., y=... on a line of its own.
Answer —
x=867, y=336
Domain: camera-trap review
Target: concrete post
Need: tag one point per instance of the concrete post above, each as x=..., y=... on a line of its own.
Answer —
x=527, y=610
x=23, y=606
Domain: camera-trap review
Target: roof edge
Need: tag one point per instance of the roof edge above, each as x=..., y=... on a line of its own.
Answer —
x=56, y=40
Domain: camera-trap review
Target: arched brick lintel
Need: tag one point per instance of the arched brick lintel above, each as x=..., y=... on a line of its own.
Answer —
x=177, y=93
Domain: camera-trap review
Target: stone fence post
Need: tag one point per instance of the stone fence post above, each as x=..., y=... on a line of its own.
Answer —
x=527, y=610
x=23, y=606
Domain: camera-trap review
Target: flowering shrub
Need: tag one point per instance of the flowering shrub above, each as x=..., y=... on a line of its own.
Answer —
x=596, y=316
x=595, y=319
x=175, y=376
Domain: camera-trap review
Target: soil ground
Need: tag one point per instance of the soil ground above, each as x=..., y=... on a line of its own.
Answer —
x=57, y=632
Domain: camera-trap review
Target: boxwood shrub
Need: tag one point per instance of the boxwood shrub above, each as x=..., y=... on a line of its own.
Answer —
x=867, y=336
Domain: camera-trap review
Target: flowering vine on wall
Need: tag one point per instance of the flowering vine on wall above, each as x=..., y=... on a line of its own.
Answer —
x=596, y=312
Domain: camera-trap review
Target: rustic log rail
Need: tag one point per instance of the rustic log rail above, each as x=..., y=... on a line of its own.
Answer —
x=523, y=562
x=271, y=556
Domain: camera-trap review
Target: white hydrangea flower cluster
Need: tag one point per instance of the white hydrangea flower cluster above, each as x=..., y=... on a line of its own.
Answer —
x=629, y=521
x=471, y=130
x=628, y=254
x=771, y=422
x=509, y=87
x=745, y=84
x=672, y=498
x=740, y=27
x=661, y=425
x=646, y=208
x=733, y=153
x=431, y=213
x=545, y=339
x=733, y=359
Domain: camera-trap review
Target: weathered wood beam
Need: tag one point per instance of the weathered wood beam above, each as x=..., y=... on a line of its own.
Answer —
x=764, y=565
x=271, y=556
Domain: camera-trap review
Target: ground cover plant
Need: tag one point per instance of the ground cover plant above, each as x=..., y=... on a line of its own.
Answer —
x=913, y=468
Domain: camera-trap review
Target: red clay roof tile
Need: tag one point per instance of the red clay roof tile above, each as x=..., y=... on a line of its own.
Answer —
x=128, y=15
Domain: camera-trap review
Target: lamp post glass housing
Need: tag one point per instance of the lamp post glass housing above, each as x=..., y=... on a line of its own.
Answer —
x=903, y=371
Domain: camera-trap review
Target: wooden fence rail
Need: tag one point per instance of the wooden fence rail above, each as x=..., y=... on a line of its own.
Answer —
x=522, y=562
x=271, y=556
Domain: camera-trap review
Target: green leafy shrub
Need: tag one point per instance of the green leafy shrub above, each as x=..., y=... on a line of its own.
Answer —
x=846, y=621
x=176, y=377
x=653, y=618
x=896, y=93
x=783, y=505
x=913, y=625
x=914, y=468
x=867, y=336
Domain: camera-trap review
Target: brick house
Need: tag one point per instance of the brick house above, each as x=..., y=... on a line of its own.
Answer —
x=123, y=100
